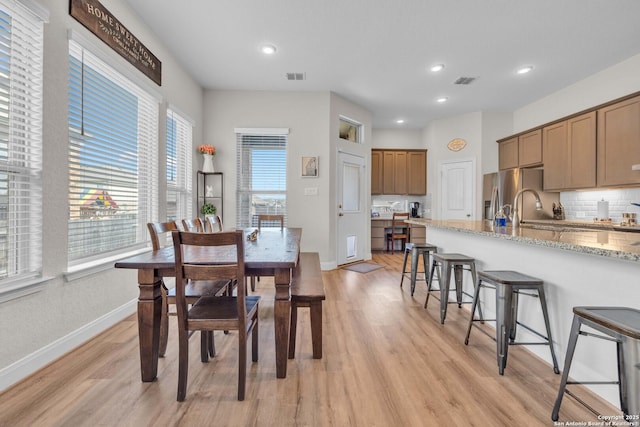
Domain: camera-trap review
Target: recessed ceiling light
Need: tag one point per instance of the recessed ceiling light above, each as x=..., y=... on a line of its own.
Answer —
x=525, y=69
x=400, y=121
x=437, y=67
x=442, y=99
x=268, y=49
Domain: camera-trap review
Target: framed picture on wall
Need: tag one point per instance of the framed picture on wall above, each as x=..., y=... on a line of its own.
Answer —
x=309, y=167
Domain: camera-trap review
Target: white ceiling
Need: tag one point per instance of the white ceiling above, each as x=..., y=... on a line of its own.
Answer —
x=376, y=53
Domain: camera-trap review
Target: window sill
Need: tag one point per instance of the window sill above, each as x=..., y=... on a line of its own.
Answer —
x=22, y=288
x=93, y=267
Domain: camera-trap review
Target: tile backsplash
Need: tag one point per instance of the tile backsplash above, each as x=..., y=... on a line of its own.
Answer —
x=385, y=205
x=583, y=205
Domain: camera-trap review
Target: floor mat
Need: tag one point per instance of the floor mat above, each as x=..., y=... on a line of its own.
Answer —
x=363, y=267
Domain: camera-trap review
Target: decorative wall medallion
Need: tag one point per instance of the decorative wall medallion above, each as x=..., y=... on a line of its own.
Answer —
x=456, y=144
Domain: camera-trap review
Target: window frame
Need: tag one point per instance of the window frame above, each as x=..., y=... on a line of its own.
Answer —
x=147, y=167
x=245, y=192
x=22, y=158
x=182, y=185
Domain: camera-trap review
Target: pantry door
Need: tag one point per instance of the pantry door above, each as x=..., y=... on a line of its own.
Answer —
x=457, y=190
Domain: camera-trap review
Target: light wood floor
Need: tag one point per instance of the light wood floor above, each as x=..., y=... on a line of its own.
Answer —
x=387, y=362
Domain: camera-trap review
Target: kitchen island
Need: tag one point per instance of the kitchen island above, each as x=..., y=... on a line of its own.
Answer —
x=580, y=267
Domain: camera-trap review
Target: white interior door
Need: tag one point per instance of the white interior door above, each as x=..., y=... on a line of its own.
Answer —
x=352, y=213
x=457, y=190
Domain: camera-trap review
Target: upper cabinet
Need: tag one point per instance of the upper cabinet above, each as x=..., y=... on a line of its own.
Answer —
x=569, y=149
x=399, y=172
x=508, y=153
x=619, y=143
x=599, y=147
x=376, y=172
x=521, y=151
x=417, y=165
x=530, y=148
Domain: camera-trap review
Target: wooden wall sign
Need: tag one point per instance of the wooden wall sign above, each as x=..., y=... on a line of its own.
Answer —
x=97, y=19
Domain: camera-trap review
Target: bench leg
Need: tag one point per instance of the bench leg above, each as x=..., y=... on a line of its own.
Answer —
x=292, y=329
x=316, y=328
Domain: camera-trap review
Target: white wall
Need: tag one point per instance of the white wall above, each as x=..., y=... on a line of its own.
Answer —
x=313, y=120
x=37, y=328
x=614, y=82
x=406, y=139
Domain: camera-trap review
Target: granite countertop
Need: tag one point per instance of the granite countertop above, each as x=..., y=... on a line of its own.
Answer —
x=603, y=242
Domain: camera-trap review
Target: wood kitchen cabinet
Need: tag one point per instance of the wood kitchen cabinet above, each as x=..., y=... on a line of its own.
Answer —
x=508, y=153
x=521, y=151
x=399, y=172
x=394, y=172
x=379, y=228
x=530, y=149
x=417, y=168
x=376, y=172
x=569, y=149
x=618, y=146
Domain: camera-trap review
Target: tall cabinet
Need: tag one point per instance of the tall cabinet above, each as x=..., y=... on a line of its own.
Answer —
x=210, y=189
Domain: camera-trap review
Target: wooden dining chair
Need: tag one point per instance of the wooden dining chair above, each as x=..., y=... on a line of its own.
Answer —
x=399, y=230
x=215, y=223
x=159, y=232
x=194, y=225
x=210, y=314
x=269, y=219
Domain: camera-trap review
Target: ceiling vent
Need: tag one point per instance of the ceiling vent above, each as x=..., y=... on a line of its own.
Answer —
x=464, y=80
x=296, y=76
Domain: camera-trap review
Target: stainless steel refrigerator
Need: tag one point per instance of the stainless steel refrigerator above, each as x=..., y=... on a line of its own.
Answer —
x=500, y=188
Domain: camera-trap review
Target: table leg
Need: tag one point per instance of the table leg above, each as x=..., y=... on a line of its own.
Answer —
x=149, y=313
x=281, y=313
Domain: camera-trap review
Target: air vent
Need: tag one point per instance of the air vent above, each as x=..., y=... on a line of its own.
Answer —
x=296, y=76
x=464, y=80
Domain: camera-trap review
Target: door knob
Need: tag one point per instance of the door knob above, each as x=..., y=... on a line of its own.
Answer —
x=468, y=215
x=340, y=214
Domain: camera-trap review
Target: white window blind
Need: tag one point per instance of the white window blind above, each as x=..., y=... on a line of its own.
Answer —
x=21, y=40
x=262, y=176
x=179, y=170
x=113, y=160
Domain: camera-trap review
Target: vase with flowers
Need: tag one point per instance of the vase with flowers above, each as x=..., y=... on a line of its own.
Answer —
x=207, y=151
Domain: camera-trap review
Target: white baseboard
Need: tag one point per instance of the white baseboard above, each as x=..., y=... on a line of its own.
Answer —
x=47, y=354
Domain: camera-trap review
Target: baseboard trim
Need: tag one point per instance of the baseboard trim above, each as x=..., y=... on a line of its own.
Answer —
x=47, y=354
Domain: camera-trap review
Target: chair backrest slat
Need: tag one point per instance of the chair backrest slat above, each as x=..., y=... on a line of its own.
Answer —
x=194, y=225
x=209, y=256
x=158, y=231
x=271, y=218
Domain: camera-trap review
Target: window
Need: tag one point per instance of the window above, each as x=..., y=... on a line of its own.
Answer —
x=350, y=130
x=262, y=174
x=179, y=174
x=113, y=173
x=20, y=142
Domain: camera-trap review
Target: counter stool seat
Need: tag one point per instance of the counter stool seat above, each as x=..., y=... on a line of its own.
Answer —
x=509, y=286
x=444, y=263
x=619, y=324
x=417, y=249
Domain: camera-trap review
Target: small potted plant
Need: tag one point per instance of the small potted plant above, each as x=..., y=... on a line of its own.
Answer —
x=208, y=209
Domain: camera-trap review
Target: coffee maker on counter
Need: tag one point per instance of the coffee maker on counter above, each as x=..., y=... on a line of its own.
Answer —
x=414, y=208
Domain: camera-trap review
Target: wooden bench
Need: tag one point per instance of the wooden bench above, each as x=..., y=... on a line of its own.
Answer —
x=307, y=290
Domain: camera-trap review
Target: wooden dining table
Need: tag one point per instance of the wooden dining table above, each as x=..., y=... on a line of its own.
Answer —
x=274, y=253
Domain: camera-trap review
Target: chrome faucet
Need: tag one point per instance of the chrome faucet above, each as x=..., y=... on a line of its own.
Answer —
x=515, y=223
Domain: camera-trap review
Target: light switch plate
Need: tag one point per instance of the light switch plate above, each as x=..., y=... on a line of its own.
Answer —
x=311, y=191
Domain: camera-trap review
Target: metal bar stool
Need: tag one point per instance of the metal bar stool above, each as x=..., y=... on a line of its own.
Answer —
x=417, y=249
x=445, y=263
x=622, y=325
x=509, y=286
